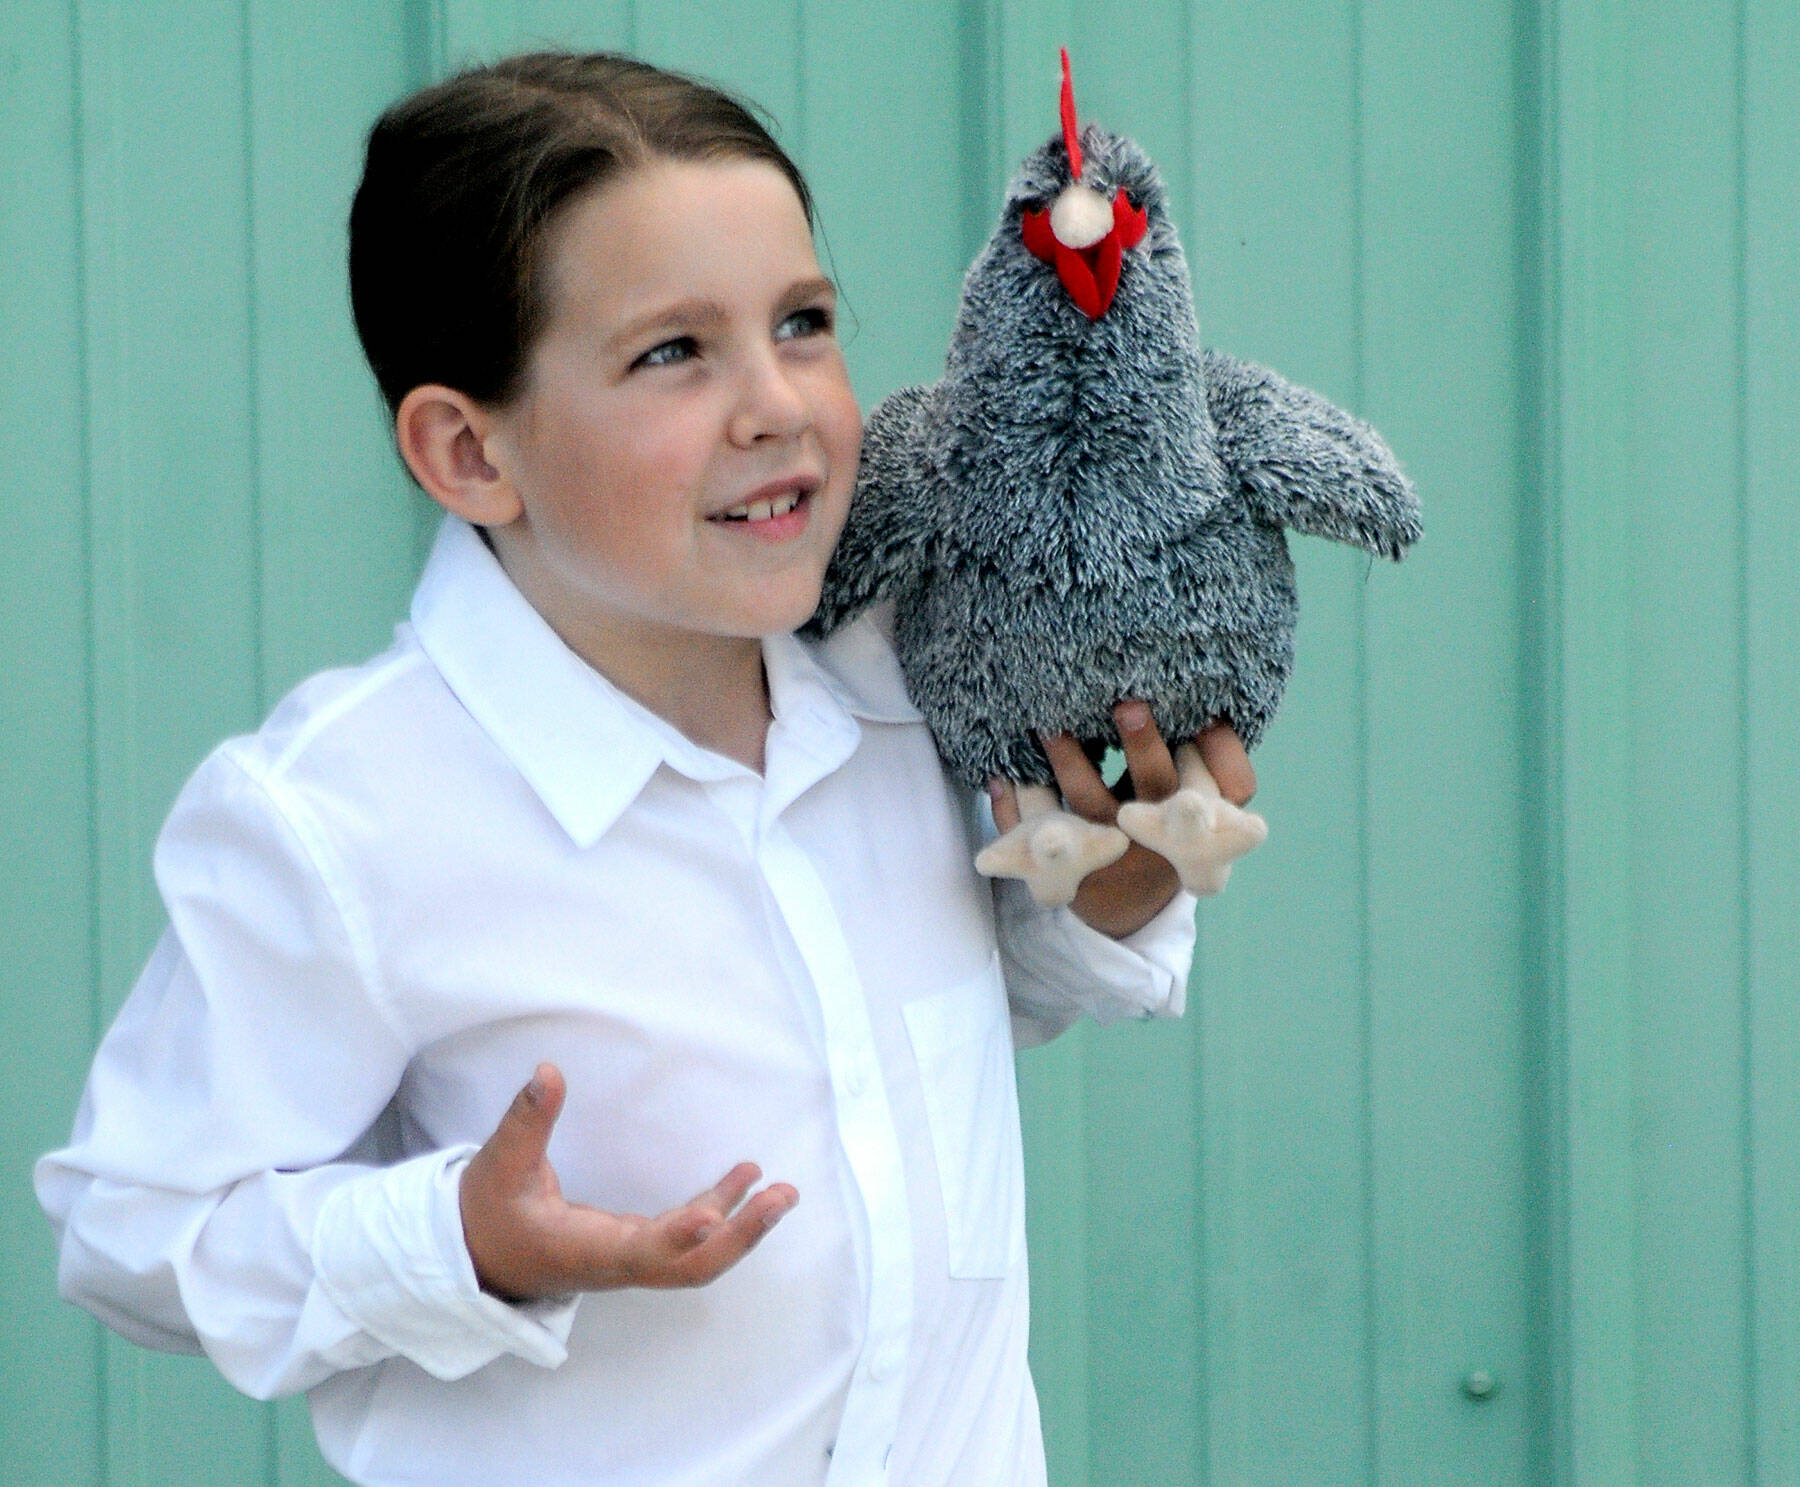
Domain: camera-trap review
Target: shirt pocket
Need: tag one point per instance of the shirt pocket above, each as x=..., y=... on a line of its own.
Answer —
x=962, y=1040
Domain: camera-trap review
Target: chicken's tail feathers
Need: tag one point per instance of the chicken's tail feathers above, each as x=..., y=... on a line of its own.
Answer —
x=1303, y=462
x=893, y=520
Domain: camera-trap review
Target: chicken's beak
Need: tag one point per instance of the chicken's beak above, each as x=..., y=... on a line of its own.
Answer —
x=1090, y=273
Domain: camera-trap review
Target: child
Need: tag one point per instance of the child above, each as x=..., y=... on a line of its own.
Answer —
x=598, y=824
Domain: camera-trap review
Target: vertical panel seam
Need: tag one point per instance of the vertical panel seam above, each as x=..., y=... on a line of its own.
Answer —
x=429, y=39
x=1746, y=884
x=1372, y=1298
x=996, y=81
x=1184, y=68
x=1533, y=391
x=976, y=96
x=111, y=785
x=85, y=420
x=253, y=391
x=253, y=470
x=83, y=365
x=801, y=134
x=1560, y=1382
x=1598, y=1212
x=1203, y=1380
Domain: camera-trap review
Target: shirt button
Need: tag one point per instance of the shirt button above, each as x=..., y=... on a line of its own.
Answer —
x=856, y=1077
x=881, y=1368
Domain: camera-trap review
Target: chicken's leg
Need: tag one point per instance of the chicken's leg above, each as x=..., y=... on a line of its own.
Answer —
x=1051, y=849
x=1196, y=828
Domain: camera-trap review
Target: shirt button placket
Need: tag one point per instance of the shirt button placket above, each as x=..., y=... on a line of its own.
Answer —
x=870, y=1142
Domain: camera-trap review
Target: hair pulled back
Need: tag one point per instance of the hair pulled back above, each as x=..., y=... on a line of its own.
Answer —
x=463, y=181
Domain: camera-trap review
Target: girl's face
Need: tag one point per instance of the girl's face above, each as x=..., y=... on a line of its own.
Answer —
x=685, y=447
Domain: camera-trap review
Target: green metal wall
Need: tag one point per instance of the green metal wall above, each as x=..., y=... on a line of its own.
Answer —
x=1493, y=1062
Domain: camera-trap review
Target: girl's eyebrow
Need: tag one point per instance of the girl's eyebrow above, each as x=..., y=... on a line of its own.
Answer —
x=809, y=289
x=706, y=314
x=700, y=314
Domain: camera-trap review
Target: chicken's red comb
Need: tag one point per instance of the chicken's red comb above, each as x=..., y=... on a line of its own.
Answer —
x=1070, y=136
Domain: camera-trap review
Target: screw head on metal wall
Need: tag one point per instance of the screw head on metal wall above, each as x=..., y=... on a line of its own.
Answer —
x=1480, y=1384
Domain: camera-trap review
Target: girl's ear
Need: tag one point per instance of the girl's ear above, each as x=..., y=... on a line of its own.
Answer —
x=441, y=434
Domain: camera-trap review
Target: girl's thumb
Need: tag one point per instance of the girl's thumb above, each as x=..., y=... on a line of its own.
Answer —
x=523, y=1135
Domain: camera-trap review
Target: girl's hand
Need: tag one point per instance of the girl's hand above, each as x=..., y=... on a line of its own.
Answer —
x=1127, y=895
x=528, y=1241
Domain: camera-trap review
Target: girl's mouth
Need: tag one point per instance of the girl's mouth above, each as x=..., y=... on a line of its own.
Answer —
x=760, y=511
x=773, y=519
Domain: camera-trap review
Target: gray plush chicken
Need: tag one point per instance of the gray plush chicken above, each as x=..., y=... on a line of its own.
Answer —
x=1088, y=507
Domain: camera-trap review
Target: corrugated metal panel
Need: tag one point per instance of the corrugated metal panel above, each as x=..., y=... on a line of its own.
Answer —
x=1672, y=999
x=49, y=1382
x=1492, y=1060
x=1768, y=334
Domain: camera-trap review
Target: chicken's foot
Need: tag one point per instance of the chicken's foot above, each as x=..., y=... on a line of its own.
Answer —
x=1051, y=849
x=1197, y=829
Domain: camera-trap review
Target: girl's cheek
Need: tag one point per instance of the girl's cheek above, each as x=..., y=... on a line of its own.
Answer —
x=834, y=406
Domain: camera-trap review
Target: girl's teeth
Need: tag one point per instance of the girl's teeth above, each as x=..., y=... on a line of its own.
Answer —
x=763, y=510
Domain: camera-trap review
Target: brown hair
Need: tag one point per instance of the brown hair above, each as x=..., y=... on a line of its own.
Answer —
x=463, y=181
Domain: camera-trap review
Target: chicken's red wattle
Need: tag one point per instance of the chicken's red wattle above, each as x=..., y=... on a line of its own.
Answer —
x=1091, y=274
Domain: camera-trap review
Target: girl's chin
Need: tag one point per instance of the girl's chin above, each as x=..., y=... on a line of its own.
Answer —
x=779, y=613
x=790, y=620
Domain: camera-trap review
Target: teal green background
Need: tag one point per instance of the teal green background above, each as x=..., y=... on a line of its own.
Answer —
x=1492, y=1061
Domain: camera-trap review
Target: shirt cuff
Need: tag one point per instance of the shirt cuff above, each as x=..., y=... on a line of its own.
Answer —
x=1059, y=969
x=1149, y=967
x=388, y=1251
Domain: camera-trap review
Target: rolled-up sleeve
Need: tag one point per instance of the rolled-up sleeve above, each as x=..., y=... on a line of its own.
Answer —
x=1058, y=969
x=206, y=1202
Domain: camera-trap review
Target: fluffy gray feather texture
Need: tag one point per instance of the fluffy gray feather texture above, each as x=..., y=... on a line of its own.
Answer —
x=1081, y=510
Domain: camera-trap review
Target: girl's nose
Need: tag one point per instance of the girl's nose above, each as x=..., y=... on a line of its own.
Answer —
x=771, y=405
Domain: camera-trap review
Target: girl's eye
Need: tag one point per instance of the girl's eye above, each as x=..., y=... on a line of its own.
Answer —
x=813, y=321
x=668, y=353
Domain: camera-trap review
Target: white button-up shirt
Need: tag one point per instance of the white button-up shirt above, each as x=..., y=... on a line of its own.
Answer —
x=427, y=874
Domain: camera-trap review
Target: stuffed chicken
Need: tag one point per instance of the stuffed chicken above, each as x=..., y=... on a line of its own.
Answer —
x=1089, y=507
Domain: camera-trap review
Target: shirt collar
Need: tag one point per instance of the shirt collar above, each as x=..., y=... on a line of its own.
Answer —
x=858, y=665
x=583, y=746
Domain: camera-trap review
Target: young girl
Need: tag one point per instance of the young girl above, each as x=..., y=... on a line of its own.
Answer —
x=600, y=826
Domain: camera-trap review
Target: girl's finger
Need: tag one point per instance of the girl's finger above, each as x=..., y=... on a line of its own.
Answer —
x=516, y=1151
x=728, y=1191
x=1147, y=757
x=1004, y=795
x=720, y=1245
x=599, y=1251
x=1229, y=764
x=1079, y=781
